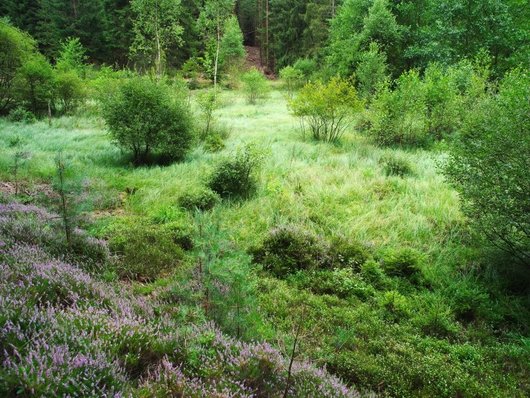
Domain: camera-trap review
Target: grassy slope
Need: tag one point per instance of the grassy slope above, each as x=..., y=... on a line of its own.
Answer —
x=332, y=190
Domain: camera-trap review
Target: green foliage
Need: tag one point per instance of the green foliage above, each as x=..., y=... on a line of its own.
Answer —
x=156, y=27
x=143, y=118
x=371, y=72
x=327, y=108
x=203, y=199
x=394, y=165
x=16, y=48
x=306, y=68
x=21, y=115
x=255, y=86
x=235, y=177
x=146, y=251
x=208, y=102
x=489, y=164
x=72, y=57
x=35, y=80
x=231, y=50
x=289, y=248
x=69, y=90
x=292, y=79
x=398, y=117
x=404, y=263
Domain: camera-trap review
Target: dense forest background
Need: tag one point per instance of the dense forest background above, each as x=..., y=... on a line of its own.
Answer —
x=408, y=33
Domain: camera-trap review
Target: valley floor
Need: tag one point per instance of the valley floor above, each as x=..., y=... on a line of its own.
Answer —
x=438, y=330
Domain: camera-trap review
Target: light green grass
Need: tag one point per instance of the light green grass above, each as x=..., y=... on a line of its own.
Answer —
x=334, y=190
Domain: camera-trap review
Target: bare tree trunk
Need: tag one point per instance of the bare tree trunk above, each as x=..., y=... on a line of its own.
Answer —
x=267, y=61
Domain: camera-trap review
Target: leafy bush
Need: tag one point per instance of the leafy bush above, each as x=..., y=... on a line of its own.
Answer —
x=16, y=47
x=348, y=253
x=394, y=165
x=35, y=84
x=143, y=118
x=327, y=108
x=146, y=251
x=292, y=79
x=289, y=248
x=404, y=262
x=306, y=68
x=21, y=115
x=255, y=86
x=342, y=283
x=489, y=166
x=398, y=117
x=235, y=177
x=371, y=73
x=69, y=90
x=203, y=199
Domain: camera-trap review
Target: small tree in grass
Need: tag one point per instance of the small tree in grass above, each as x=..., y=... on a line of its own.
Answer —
x=143, y=117
x=208, y=102
x=255, y=86
x=292, y=79
x=326, y=108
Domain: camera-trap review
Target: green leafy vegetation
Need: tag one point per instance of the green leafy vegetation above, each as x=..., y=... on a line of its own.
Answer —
x=165, y=231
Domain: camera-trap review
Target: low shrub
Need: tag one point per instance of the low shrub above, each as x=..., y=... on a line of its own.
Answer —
x=372, y=272
x=395, y=165
x=21, y=115
x=326, y=108
x=289, y=248
x=396, y=305
x=342, y=283
x=204, y=199
x=403, y=262
x=436, y=317
x=255, y=86
x=348, y=253
x=146, y=251
x=235, y=177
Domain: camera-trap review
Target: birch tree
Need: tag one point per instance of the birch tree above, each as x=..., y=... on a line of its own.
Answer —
x=211, y=22
x=156, y=28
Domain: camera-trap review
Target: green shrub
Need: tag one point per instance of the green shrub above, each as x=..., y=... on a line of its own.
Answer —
x=372, y=272
x=146, y=251
x=396, y=305
x=489, y=165
x=235, y=177
x=69, y=90
x=255, y=86
x=348, y=253
x=16, y=47
x=404, y=263
x=21, y=115
x=436, y=317
x=371, y=73
x=35, y=83
x=208, y=102
x=142, y=117
x=395, y=165
x=327, y=108
x=289, y=248
x=398, y=117
x=306, y=68
x=203, y=199
x=292, y=79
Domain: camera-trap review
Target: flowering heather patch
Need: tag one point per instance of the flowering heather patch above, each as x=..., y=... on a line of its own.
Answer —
x=64, y=333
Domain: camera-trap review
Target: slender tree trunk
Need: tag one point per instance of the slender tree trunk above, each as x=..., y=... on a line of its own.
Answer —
x=158, y=45
x=216, y=66
x=267, y=61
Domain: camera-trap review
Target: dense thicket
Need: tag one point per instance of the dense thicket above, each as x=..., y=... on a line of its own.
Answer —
x=409, y=33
